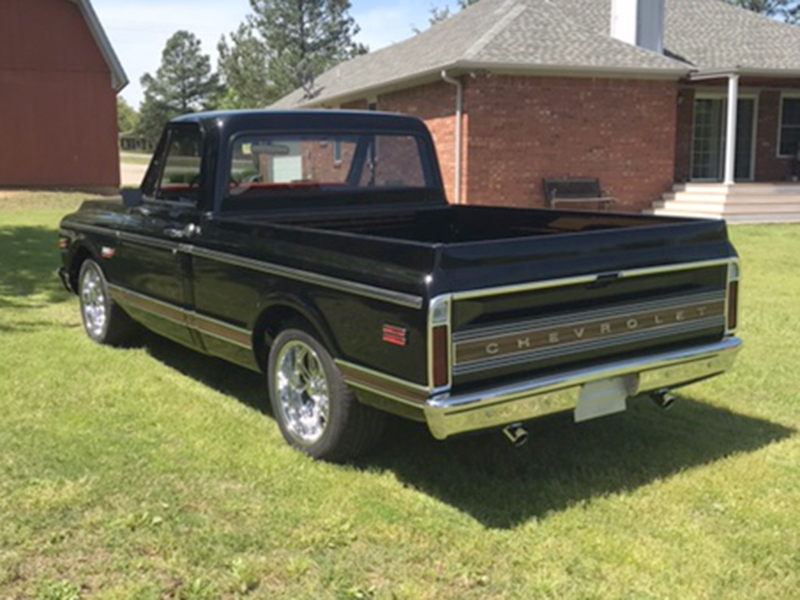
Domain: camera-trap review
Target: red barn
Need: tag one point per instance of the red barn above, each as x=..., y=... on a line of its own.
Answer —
x=59, y=79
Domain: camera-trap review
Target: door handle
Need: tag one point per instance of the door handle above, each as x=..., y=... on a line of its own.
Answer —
x=182, y=233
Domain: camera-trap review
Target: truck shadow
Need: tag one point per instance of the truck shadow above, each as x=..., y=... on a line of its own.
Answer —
x=562, y=465
x=248, y=387
x=30, y=259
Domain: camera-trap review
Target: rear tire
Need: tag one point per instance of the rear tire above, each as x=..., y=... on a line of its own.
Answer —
x=103, y=321
x=316, y=411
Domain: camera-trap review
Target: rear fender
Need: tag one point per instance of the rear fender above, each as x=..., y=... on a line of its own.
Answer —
x=275, y=310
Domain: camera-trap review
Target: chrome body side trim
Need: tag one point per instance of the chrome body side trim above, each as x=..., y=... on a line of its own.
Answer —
x=73, y=227
x=215, y=328
x=586, y=279
x=493, y=407
x=352, y=287
x=382, y=384
x=342, y=285
x=144, y=240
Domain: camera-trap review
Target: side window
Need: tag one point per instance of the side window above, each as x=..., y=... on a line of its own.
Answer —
x=789, y=138
x=180, y=178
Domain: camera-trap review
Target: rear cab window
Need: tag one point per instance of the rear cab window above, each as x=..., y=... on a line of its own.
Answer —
x=264, y=165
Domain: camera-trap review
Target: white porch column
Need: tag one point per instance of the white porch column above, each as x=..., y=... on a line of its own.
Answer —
x=730, y=131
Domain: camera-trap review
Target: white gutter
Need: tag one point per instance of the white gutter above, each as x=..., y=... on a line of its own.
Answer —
x=459, y=130
x=431, y=74
x=744, y=72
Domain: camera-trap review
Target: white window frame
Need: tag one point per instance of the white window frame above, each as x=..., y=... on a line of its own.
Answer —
x=744, y=94
x=337, y=153
x=795, y=94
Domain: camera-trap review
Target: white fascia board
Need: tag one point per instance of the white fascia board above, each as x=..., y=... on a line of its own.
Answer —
x=464, y=67
x=118, y=77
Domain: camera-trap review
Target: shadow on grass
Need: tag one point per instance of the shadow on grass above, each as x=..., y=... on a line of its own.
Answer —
x=248, y=387
x=562, y=465
x=30, y=260
x=565, y=464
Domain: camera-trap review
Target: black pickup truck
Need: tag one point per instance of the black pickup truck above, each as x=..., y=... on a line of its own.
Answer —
x=318, y=247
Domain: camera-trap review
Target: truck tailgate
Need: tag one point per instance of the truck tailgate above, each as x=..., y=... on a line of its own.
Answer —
x=522, y=306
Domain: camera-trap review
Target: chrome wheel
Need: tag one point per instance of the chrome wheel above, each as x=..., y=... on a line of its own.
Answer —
x=302, y=392
x=93, y=302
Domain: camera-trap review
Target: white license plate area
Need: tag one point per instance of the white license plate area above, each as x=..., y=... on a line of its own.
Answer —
x=601, y=398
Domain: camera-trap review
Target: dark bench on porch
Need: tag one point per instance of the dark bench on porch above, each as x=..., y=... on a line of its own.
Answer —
x=574, y=191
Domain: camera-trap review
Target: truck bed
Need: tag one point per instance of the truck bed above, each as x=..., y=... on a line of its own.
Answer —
x=512, y=270
x=465, y=224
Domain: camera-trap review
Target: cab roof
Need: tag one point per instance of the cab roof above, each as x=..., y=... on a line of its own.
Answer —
x=304, y=120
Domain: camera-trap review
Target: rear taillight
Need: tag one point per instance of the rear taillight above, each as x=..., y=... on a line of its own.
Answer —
x=733, y=304
x=733, y=297
x=439, y=328
x=441, y=358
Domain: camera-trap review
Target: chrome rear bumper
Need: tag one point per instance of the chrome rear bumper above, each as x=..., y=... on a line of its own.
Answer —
x=523, y=401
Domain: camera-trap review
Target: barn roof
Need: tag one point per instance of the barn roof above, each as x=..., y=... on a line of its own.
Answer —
x=118, y=77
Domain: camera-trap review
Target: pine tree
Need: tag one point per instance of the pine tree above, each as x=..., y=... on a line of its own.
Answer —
x=184, y=83
x=304, y=38
x=437, y=14
x=243, y=68
x=785, y=10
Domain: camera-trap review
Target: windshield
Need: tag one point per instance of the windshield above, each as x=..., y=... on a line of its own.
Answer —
x=268, y=166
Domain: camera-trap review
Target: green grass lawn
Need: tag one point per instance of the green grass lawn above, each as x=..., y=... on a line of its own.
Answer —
x=135, y=158
x=156, y=473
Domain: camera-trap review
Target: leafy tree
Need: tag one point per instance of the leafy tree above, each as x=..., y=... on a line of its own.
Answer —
x=183, y=84
x=127, y=117
x=303, y=38
x=786, y=10
x=243, y=67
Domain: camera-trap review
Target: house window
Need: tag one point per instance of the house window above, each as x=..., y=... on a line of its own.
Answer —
x=789, y=137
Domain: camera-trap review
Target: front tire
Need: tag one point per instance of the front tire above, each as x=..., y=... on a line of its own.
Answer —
x=103, y=321
x=316, y=411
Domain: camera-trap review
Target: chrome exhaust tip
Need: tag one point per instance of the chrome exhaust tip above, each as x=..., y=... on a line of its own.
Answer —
x=663, y=399
x=516, y=434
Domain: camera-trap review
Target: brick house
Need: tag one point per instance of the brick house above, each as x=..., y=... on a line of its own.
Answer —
x=633, y=92
x=59, y=79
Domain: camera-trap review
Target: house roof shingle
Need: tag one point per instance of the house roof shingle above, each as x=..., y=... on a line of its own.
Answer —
x=566, y=35
x=711, y=35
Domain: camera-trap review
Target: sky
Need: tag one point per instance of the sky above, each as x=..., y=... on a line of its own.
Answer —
x=139, y=29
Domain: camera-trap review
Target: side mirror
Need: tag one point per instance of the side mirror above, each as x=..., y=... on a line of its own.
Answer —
x=132, y=198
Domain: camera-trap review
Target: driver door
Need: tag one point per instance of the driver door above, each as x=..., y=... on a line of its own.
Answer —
x=149, y=260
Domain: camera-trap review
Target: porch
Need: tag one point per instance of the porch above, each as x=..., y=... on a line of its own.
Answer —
x=738, y=147
x=736, y=203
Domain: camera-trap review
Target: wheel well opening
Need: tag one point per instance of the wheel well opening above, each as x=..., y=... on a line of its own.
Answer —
x=81, y=254
x=269, y=325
